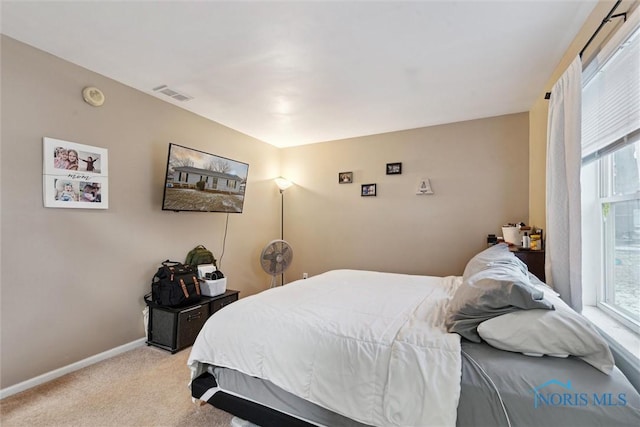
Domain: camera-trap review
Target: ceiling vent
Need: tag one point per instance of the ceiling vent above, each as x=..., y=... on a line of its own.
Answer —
x=164, y=89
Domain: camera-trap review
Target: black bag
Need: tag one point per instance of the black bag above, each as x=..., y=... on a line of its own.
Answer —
x=175, y=284
x=200, y=255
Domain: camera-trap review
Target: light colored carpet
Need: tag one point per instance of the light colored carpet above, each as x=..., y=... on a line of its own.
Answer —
x=146, y=386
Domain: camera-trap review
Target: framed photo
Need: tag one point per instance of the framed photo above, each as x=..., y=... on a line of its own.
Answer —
x=394, y=168
x=368, y=190
x=74, y=175
x=345, y=178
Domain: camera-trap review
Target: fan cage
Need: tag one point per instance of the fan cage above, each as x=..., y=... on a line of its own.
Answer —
x=276, y=257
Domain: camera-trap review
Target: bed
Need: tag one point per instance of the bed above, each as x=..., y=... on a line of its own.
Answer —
x=364, y=348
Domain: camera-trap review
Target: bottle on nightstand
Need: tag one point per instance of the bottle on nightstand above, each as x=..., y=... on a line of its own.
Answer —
x=535, y=242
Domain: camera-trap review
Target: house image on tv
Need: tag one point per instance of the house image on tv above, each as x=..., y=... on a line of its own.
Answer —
x=188, y=177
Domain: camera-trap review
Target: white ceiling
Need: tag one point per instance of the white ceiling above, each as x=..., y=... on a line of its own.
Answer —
x=291, y=73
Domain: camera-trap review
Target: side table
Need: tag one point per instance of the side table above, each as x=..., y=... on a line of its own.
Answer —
x=174, y=328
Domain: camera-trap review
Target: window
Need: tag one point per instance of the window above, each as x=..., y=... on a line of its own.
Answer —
x=611, y=177
x=620, y=212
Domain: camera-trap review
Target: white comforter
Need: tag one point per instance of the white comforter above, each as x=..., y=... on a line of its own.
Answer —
x=367, y=345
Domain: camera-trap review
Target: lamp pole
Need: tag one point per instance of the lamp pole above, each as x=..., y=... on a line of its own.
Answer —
x=281, y=227
x=281, y=214
x=282, y=184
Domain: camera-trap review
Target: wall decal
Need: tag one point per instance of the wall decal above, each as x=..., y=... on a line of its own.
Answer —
x=424, y=187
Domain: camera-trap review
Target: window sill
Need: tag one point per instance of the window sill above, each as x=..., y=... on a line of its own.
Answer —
x=626, y=338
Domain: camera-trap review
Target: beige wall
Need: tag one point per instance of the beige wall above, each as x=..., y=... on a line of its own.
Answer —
x=478, y=171
x=73, y=279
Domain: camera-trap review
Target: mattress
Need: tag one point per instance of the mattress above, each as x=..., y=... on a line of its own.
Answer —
x=357, y=348
x=502, y=388
x=498, y=388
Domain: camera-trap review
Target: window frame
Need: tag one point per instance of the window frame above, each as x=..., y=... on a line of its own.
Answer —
x=606, y=291
x=601, y=281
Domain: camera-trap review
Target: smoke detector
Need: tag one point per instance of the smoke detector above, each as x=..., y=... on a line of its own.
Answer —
x=165, y=90
x=93, y=96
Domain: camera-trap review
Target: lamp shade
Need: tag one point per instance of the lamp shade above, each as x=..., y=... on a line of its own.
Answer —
x=283, y=183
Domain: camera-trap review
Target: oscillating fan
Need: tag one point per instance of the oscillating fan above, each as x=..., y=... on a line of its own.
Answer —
x=276, y=258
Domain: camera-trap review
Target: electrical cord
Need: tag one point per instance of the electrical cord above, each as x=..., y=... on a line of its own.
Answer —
x=224, y=240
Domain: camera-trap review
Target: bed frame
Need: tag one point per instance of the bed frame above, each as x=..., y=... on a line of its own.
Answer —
x=245, y=409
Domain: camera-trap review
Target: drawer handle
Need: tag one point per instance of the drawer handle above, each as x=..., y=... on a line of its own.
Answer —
x=192, y=308
x=194, y=316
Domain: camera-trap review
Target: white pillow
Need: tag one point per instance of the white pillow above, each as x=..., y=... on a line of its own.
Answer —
x=560, y=333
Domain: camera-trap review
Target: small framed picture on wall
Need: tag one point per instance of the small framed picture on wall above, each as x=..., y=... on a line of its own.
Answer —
x=394, y=168
x=345, y=178
x=368, y=190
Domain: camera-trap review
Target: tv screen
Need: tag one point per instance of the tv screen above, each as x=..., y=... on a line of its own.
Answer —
x=201, y=182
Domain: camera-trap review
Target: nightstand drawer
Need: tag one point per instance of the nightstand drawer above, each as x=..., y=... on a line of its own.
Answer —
x=190, y=322
x=221, y=302
x=175, y=329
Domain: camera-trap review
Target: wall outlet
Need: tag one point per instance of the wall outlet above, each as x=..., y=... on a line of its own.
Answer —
x=305, y=275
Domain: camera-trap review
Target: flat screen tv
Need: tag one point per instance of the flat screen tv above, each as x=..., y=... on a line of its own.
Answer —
x=201, y=182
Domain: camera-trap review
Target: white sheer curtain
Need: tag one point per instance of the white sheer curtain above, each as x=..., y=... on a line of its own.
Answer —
x=563, y=244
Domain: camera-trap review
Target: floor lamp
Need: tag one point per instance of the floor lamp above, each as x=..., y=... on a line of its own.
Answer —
x=282, y=184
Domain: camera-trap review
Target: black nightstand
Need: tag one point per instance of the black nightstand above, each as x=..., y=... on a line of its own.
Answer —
x=173, y=329
x=533, y=259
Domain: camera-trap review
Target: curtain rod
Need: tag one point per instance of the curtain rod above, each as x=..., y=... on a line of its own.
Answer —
x=606, y=19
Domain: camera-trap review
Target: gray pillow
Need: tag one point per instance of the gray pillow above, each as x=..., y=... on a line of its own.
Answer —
x=496, y=289
x=496, y=254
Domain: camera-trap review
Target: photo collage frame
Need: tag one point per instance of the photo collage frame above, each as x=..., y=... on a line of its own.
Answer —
x=74, y=175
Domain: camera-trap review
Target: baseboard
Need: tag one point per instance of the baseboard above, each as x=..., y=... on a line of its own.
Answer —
x=41, y=379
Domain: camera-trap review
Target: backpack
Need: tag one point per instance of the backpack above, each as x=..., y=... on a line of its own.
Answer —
x=175, y=284
x=200, y=255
